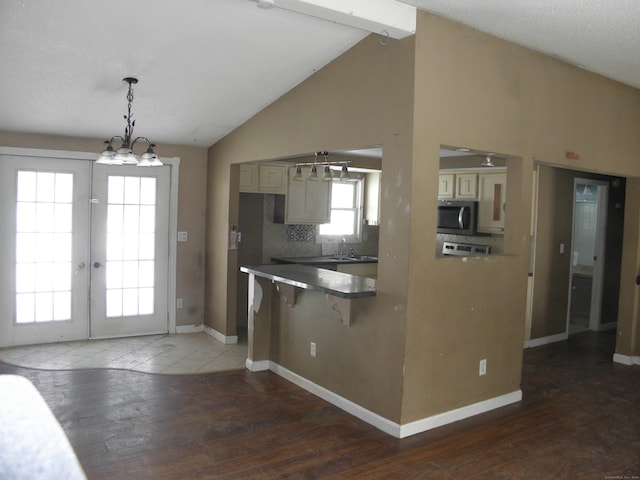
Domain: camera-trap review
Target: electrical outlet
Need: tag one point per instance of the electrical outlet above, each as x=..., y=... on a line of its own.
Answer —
x=179, y=303
x=312, y=349
x=482, y=369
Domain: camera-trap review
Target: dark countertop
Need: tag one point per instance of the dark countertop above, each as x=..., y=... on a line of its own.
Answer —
x=317, y=279
x=328, y=259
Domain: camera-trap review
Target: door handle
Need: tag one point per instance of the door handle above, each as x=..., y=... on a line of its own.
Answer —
x=97, y=265
x=81, y=266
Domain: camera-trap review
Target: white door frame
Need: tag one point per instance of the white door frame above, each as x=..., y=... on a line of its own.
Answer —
x=174, y=163
x=597, y=282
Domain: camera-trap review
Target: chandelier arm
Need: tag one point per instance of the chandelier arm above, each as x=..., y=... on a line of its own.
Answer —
x=125, y=155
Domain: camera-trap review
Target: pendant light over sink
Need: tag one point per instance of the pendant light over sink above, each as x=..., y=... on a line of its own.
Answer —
x=125, y=155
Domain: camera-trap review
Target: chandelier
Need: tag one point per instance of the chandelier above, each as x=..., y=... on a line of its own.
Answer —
x=124, y=154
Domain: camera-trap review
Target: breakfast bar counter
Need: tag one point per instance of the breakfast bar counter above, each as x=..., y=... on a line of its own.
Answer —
x=337, y=284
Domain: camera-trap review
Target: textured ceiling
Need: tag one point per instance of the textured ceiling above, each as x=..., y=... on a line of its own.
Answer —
x=602, y=36
x=206, y=66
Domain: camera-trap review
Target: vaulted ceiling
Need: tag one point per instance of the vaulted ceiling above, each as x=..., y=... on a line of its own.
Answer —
x=207, y=66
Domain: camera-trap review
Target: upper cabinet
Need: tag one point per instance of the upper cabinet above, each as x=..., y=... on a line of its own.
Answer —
x=263, y=178
x=458, y=186
x=466, y=186
x=307, y=202
x=492, y=202
x=372, y=184
x=248, y=177
x=446, y=186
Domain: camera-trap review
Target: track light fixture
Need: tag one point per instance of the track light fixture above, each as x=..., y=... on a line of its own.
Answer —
x=327, y=175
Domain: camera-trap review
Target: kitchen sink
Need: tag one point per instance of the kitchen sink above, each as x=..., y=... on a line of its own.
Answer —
x=353, y=258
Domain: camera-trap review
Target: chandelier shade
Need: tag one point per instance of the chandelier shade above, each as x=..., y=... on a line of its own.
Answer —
x=124, y=154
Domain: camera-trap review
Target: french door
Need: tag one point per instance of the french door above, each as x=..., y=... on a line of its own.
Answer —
x=83, y=250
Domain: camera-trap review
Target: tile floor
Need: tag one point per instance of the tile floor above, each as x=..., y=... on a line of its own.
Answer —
x=168, y=354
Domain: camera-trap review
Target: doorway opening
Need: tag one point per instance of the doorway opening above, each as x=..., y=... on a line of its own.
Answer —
x=577, y=233
x=588, y=255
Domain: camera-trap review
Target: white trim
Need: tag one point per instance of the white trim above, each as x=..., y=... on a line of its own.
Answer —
x=626, y=359
x=227, y=340
x=384, y=424
x=174, y=163
x=258, y=365
x=348, y=406
x=190, y=328
x=537, y=342
x=172, y=267
x=45, y=152
x=461, y=413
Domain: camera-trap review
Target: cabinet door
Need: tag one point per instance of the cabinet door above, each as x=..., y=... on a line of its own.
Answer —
x=248, y=178
x=307, y=201
x=492, y=202
x=272, y=179
x=467, y=186
x=372, y=198
x=446, y=186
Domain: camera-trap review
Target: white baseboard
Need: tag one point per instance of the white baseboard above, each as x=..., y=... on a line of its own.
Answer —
x=257, y=366
x=537, y=342
x=386, y=425
x=348, y=406
x=461, y=413
x=227, y=340
x=626, y=359
x=189, y=328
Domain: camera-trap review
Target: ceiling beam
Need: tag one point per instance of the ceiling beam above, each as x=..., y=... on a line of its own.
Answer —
x=383, y=17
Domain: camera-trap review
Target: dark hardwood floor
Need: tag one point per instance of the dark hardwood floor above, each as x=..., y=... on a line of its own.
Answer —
x=580, y=418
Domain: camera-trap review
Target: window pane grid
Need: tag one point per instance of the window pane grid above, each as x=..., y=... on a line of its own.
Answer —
x=131, y=212
x=43, y=270
x=345, y=210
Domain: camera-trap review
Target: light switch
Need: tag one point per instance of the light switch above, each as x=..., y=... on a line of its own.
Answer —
x=182, y=236
x=562, y=248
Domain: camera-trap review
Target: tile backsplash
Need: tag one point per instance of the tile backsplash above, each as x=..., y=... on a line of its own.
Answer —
x=280, y=240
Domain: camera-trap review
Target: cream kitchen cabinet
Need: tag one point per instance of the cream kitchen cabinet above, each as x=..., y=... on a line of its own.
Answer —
x=458, y=186
x=307, y=202
x=466, y=186
x=249, y=177
x=492, y=194
x=446, y=186
x=361, y=269
x=263, y=178
x=372, y=182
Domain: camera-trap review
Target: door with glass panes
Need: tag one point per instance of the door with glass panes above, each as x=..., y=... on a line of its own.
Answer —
x=84, y=250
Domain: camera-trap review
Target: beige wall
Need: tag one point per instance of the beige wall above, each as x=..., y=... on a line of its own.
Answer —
x=191, y=211
x=434, y=318
x=551, y=279
x=361, y=99
x=476, y=91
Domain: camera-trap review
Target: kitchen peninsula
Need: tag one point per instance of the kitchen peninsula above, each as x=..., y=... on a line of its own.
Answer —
x=277, y=292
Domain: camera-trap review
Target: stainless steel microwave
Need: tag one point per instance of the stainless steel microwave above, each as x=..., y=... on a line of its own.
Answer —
x=457, y=217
